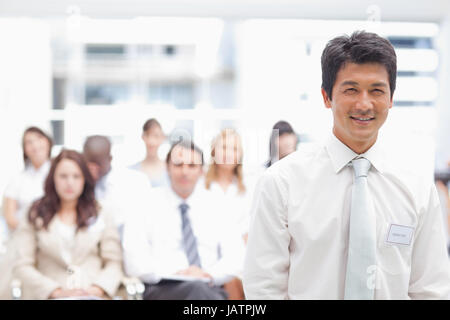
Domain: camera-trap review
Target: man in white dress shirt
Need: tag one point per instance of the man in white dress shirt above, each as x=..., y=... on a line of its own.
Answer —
x=123, y=191
x=184, y=248
x=344, y=221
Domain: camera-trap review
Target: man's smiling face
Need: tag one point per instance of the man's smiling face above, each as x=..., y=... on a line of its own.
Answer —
x=360, y=102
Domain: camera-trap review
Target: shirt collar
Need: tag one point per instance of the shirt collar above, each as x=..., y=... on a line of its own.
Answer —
x=43, y=169
x=103, y=181
x=176, y=199
x=341, y=155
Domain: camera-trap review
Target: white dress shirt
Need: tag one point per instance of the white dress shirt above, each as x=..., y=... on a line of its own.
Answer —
x=66, y=235
x=298, y=239
x=124, y=192
x=237, y=204
x=25, y=188
x=153, y=245
x=160, y=180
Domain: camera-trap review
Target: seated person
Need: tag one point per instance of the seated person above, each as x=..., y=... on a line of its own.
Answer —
x=184, y=236
x=123, y=191
x=225, y=176
x=68, y=246
x=28, y=185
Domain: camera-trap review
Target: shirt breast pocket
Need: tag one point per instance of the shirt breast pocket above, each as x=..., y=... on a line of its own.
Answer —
x=395, y=249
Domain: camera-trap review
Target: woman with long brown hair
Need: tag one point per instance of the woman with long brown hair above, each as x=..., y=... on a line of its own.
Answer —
x=28, y=185
x=68, y=246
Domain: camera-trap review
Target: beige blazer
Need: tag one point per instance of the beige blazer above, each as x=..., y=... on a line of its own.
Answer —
x=96, y=258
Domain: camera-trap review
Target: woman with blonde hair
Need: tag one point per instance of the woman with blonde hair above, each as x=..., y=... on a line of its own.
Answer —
x=225, y=177
x=226, y=162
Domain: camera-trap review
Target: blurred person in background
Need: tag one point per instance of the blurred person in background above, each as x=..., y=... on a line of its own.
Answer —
x=183, y=249
x=29, y=184
x=123, y=191
x=19, y=194
x=283, y=141
x=225, y=177
x=68, y=246
x=442, y=181
x=155, y=168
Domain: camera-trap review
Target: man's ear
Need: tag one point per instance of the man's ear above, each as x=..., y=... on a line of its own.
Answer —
x=326, y=99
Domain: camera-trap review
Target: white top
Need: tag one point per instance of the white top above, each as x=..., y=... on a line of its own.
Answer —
x=66, y=234
x=160, y=180
x=298, y=239
x=153, y=246
x=124, y=192
x=237, y=204
x=27, y=187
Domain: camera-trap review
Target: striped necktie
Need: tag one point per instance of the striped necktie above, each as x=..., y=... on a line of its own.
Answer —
x=362, y=237
x=189, y=241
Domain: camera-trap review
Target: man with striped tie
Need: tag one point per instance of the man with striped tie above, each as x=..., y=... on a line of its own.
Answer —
x=183, y=249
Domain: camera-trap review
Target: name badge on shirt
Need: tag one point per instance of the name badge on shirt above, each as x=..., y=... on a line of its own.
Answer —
x=399, y=234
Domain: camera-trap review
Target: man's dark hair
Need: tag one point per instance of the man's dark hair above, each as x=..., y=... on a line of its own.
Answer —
x=187, y=144
x=361, y=47
x=97, y=144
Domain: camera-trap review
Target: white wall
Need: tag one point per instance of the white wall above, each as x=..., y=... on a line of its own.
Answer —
x=25, y=87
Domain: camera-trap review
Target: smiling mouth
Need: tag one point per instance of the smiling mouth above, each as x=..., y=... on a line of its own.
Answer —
x=363, y=119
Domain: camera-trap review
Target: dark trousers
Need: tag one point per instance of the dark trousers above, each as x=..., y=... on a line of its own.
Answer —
x=184, y=290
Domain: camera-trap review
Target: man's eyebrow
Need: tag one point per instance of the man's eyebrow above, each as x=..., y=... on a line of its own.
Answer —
x=349, y=83
x=354, y=83
x=379, y=84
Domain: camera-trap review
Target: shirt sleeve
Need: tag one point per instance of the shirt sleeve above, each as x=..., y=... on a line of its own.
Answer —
x=13, y=188
x=138, y=251
x=430, y=266
x=267, y=258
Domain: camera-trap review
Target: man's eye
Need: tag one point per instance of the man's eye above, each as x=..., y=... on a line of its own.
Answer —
x=378, y=91
x=350, y=90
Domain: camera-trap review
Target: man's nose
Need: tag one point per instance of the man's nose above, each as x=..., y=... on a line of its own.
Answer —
x=184, y=169
x=364, y=102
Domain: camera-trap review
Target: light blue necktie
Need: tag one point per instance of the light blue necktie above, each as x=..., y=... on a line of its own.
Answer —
x=361, y=262
x=189, y=240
